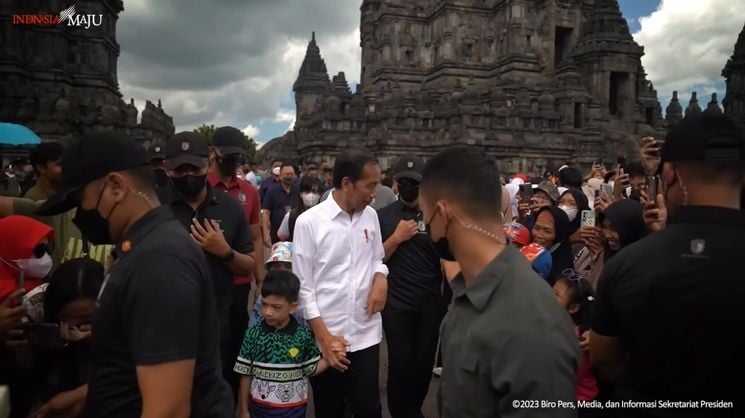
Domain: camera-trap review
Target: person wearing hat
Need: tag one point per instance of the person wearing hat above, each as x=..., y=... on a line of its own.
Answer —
x=414, y=310
x=226, y=156
x=660, y=300
x=546, y=194
x=217, y=223
x=156, y=154
x=155, y=349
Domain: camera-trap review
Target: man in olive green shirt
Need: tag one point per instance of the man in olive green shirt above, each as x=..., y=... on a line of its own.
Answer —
x=507, y=345
x=68, y=243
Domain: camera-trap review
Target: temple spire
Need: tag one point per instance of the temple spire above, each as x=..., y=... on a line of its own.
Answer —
x=674, y=111
x=713, y=106
x=693, y=107
x=606, y=24
x=312, y=82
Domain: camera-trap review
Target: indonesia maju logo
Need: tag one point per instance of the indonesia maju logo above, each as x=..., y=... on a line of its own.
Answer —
x=68, y=17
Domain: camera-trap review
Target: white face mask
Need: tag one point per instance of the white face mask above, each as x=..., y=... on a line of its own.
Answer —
x=571, y=212
x=276, y=171
x=36, y=267
x=310, y=199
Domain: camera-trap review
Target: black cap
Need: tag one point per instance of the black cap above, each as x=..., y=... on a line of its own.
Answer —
x=91, y=158
x=229, y=141
x=187, y=148
x=410, y=166
x=156, y=152
x=705, y=137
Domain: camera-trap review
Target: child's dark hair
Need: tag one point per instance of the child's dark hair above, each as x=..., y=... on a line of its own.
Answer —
x=80, y=278
x=580, y=294
x=281, y=283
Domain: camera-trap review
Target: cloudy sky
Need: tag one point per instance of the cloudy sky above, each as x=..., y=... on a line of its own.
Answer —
x=233, y=62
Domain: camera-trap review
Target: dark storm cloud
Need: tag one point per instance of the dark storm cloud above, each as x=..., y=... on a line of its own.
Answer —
x=212, y=48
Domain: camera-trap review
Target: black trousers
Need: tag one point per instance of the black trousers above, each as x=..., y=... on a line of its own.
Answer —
x=412, y=343
x=237, y=325
x=357, y=387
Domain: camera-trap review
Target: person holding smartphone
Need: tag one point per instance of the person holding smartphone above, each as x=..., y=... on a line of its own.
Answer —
x=660, y=300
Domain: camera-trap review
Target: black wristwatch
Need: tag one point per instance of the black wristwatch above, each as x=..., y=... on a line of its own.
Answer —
x=229, y=256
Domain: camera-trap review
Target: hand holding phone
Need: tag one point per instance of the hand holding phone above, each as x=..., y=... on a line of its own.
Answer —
x=11, y=311
x=650, y=154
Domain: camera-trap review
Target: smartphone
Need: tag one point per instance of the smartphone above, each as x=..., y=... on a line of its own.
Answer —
x=588, y=218
x=597, y=194
x=622, y=164
x=43, y=335
x=652, y=187
x=607, y=190
x=526, y=192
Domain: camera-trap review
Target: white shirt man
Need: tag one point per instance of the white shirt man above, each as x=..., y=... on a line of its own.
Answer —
x=343, y=287
x=336, y=258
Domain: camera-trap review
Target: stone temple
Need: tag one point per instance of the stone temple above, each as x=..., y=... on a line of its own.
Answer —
x=533, y=83
x=61, y=80
x=734, y=73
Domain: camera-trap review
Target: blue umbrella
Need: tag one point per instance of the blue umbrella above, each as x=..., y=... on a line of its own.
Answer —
x=14, y=134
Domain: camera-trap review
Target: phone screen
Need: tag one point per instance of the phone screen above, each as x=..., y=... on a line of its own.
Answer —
x=526, y=192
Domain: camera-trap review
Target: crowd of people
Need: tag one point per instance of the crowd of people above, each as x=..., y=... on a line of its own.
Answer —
x=183, y=281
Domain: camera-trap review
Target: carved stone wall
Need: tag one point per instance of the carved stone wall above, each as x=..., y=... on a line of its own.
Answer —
x=61, y=81
x=535, y=83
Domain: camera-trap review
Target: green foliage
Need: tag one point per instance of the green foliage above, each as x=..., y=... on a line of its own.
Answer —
x=208, y=131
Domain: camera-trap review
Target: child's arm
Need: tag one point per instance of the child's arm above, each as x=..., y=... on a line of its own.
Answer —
x=244, y=396
x=322, y=366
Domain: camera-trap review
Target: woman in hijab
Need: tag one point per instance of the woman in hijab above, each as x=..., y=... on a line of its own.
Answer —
x=573, y=202
x=24, y=251
x=622, y=224
x=551, y=230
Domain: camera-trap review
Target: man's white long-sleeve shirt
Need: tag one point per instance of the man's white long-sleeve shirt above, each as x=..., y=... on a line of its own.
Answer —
x=336, y=257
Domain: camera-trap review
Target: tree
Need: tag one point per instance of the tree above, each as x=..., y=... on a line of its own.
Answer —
x=207, y=131
x=249, y=145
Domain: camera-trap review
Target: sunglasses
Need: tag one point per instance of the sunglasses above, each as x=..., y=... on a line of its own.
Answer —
x=40, y=250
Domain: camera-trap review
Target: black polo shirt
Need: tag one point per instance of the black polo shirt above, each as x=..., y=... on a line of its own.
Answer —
x=278, y=202
x=675, y=300
x=156, y=306
x=228, y=213
x=415, y=274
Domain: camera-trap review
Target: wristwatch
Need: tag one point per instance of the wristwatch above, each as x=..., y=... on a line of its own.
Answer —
x=229, y=256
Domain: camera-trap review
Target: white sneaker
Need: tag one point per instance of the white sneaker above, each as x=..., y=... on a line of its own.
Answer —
x=437, y=371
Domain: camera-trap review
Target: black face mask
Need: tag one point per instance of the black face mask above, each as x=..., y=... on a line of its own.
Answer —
x=189, y=186
x=93, y=226
x=227, y=166
x=408, y=192
x=441, y=245
x=161, y=177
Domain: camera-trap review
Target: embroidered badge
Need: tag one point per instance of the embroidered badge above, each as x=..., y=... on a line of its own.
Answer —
x=294, y=352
